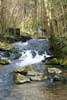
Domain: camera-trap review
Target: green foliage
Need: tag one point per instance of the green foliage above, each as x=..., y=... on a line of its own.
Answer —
x=64, y=50
x=55, y=45
x=53, y=61
x=65, y=62
x=58, y=45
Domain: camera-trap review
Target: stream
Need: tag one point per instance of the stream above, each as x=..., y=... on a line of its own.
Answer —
x=33, y=52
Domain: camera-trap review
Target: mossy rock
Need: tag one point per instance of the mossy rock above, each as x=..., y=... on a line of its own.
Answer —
x=54, y=61
x=6, y=46
x=28, y=74
x=24, y=70
x=20, y=79
x=4, y=61
x=20, y=71
x=29, y=68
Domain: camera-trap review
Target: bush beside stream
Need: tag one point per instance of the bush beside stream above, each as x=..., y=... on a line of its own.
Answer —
x=58, y=47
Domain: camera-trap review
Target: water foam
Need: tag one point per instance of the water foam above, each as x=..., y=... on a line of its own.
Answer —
x=27, y=58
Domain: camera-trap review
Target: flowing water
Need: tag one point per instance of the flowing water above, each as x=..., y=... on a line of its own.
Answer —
x=32, y=52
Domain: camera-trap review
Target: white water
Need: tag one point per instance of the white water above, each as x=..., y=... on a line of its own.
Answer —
x=28, y=59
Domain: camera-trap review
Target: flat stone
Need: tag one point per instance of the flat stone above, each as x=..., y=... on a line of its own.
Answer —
x=54, y=70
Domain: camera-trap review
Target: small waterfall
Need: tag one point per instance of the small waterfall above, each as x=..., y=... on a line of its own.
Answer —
x=28, y=59
x=32, y=52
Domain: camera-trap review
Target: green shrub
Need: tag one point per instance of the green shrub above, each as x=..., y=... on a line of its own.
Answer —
x=58, y=45
x=53, y=61
x=64, y=50
x=65, y=62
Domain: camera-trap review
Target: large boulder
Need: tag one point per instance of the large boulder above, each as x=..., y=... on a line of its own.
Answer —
x=27, y=74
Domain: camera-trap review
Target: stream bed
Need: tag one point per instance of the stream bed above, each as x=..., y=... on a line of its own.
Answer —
x=33, y=52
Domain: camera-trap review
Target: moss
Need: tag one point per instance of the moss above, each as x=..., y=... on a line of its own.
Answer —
x=4, y=61
x=29, y=68
x=27, y=74
x=24, y=70
x=20, y=79
x=65, y=62
x=54, y=61
x=6, y=46
x=55, y=45
x=60, y=61
x=65, y=50
x=58, y=45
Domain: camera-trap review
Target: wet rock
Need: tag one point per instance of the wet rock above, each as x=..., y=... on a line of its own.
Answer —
x=13, y=54
x=40, y=52
x=19, y=79
x=4, y=61
x=33, y=53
